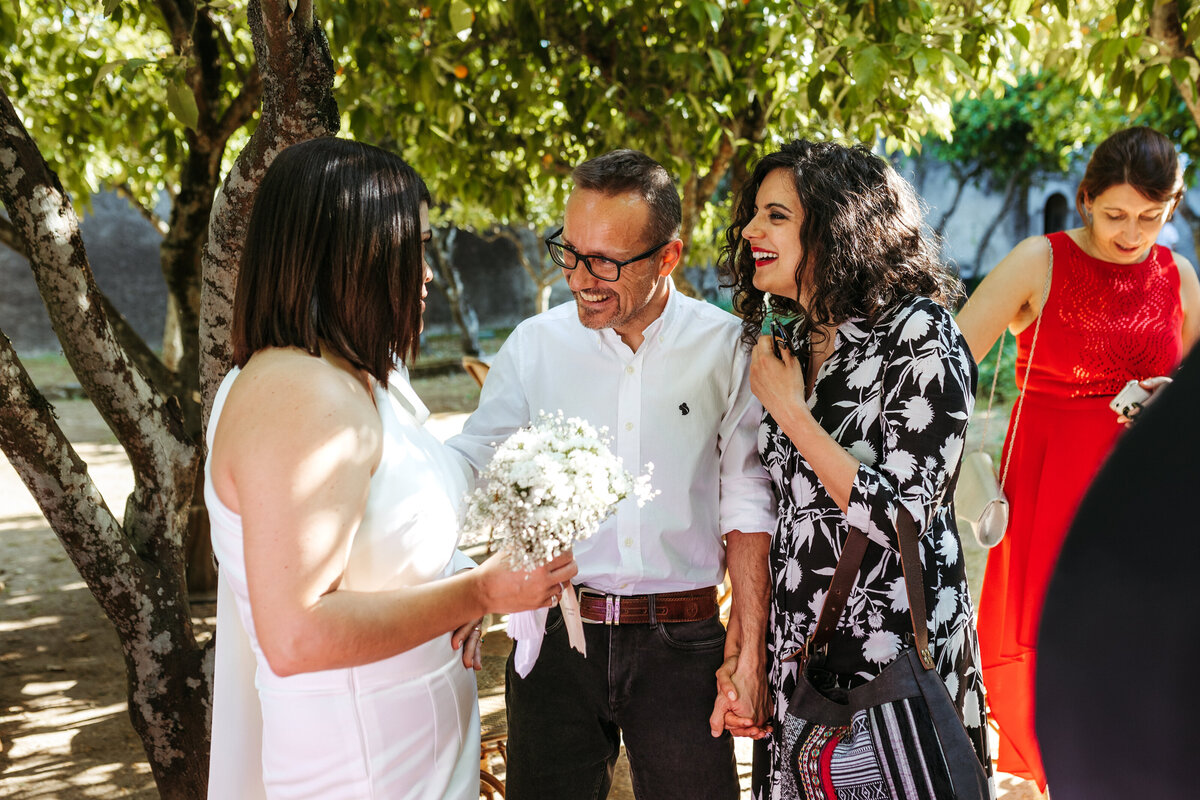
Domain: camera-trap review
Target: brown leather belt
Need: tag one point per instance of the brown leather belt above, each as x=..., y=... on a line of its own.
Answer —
x=615, y=609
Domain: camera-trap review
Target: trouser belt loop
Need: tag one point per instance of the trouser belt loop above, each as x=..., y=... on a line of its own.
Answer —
x=612, y=609
x=652, y=607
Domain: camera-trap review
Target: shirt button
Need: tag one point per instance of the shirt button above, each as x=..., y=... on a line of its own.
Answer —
x=629, y=541
x=628, y=426
x=629, y=370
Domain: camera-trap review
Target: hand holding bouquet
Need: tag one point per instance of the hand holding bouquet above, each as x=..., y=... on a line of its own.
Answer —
x=548, y=486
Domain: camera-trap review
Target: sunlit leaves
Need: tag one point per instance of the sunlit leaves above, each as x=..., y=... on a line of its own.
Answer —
x=105, y=96
x=182, y=103
x=703, y=86
x=869, y=71
x=461, y=19
x=1037, y=127
x=1141, y=51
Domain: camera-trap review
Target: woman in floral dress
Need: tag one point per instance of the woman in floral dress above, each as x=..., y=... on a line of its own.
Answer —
x=866, y=406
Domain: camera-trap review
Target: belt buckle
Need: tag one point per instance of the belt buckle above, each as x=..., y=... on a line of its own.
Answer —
x=587, y=591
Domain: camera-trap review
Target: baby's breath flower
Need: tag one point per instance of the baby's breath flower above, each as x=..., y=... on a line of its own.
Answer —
x=547, y=486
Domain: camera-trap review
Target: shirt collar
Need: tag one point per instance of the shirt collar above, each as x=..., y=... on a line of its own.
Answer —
x=657, y=329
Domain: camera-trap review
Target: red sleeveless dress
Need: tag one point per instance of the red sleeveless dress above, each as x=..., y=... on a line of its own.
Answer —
x=1103, y=325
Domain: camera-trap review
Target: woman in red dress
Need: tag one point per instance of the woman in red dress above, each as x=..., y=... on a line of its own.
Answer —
x=1119, y=308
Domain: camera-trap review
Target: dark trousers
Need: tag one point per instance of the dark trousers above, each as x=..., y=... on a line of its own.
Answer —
x=653, y=685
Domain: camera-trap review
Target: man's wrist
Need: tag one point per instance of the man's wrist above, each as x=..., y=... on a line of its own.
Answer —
x=750, y=659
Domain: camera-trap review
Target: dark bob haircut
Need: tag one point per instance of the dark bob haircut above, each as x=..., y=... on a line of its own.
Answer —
x=1141, y=157
x=865, y=250
x=333, y=257
x=623, y=171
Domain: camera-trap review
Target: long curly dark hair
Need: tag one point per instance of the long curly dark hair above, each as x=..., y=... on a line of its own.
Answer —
x=865, y=246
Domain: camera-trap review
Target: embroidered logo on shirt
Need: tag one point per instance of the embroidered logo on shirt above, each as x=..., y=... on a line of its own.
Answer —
x=683, y=409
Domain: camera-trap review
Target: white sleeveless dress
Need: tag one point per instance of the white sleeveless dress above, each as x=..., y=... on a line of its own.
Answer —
x=404, y=727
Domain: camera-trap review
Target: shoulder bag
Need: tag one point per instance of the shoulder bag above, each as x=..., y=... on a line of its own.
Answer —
x=898, y=736
x=979, y=500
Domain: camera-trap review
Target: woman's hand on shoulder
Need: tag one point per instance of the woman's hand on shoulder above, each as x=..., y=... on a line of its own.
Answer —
x=777, y=381
x=505, y=590
x=1010, y=295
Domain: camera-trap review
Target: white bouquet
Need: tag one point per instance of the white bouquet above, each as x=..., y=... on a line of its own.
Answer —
x=549, y=485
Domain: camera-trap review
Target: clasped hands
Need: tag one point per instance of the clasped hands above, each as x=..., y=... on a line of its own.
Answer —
x=742, y=702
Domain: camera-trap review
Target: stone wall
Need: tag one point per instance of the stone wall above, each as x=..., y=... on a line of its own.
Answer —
x=1049, y=204
x=123, y=249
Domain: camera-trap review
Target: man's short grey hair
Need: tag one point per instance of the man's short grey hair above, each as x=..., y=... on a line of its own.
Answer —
x=623, y=171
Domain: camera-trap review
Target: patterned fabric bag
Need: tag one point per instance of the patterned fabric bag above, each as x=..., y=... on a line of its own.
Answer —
x=897, y=737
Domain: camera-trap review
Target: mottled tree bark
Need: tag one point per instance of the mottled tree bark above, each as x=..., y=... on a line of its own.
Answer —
x=134, y=569
x=296, y=70
x=195, y=36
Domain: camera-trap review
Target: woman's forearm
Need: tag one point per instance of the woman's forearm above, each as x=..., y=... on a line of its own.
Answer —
x=834, y=466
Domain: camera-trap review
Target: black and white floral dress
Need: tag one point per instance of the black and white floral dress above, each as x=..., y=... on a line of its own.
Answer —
x=897, y=395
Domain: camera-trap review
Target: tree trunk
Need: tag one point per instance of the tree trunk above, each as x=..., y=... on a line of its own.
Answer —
x=690, y=215
x=135, y=569
x=533, y=259
x=698, y=190
x=195, y=37
x=448, y=280
x=543, y=297
x=963, y=180
x=1165, y=25
x=180, y=252
x=296, y=71
x=1021, y=199
x=1005, y=207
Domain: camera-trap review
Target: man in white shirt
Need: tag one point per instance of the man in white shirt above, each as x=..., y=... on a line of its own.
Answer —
x=666, y=375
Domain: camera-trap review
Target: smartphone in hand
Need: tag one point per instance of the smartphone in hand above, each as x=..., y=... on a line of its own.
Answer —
x=778, y=339
x=1129, y=400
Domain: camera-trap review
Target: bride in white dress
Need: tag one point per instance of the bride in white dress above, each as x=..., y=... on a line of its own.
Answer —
x=347, y=620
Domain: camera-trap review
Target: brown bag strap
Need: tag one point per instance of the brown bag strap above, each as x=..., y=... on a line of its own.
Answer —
x=846, y=573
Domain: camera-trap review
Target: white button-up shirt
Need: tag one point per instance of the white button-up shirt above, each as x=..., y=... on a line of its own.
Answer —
x=681, y=402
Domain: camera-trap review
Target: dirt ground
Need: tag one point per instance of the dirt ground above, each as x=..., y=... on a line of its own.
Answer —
x=64, y=730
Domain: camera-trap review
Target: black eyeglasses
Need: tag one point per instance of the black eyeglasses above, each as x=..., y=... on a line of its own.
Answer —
x=603, y=268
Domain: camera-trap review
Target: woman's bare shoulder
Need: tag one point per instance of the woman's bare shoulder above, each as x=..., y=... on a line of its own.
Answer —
x=290, y=397
x=1031, y=253
x=1187, y=272
x=287, y=377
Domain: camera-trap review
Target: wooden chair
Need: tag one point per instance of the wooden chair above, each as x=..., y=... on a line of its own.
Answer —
x=491, y=787
x=477, y=368
x=493, y=739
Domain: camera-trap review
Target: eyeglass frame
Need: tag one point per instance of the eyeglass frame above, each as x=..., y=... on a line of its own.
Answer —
x=586, y=259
